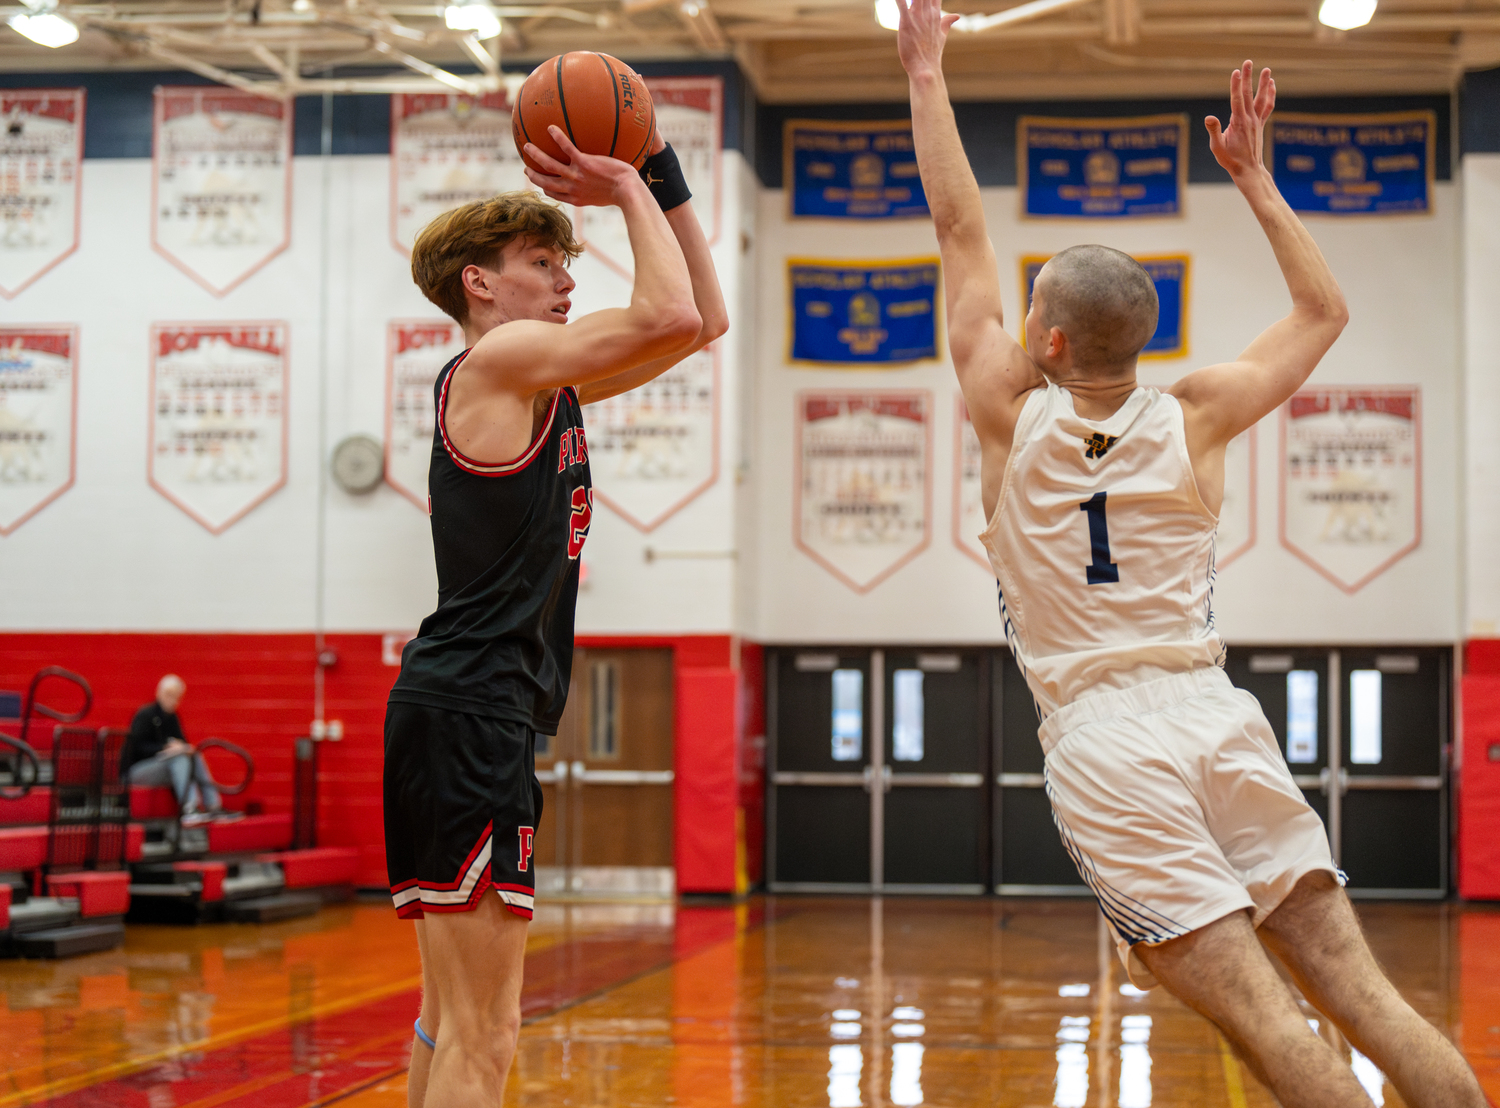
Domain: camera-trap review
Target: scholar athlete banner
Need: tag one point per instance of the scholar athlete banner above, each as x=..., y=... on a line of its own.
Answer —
x=968, y=503
x=1237, y=514
x=1354, y=164
x=41, y=155
x=863, y=313
x=852, y=170
x=416, y=352
x=1169, y=273
x=221, y=186
x=1102, y=168
x=654, y=449
x=1351, y=476
x=218, y=417
x=448, y=149
x=863, y=481
x=38, y=414
x=689, y=115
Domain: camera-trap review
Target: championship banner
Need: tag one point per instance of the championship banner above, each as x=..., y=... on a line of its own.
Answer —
x=221, y=182
x=654, y=449
x=689, y=115
x=1354, y=164
x=1351, y=480
x=863, y=313
x=863, y=481
x=852, y=170
x=1169, y=273
x=41, y=155
x=448, y=149
x=38, y=417
x=968, y=503
x=218, y=437
x=1236, y=533
x=1102, y=168
x=416, y=352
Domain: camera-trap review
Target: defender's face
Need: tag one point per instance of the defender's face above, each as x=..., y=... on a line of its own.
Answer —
x=533, y=282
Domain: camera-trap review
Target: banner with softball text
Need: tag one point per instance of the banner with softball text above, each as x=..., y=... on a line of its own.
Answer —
x=863, y=481
x=863, y=313
x=1354, y=164
x=1351, y=480
x=1169, y=273
x=218, y=437
x=38, y=415
x=1102, y=168
x=416, y=352
x=448, y=149
x=41, y=158
x=221, y=182
x=835, y=169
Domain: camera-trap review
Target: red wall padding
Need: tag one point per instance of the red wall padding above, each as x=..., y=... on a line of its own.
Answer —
x=1479, y=790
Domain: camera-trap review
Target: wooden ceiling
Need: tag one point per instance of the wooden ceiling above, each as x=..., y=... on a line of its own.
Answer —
x=805, y=50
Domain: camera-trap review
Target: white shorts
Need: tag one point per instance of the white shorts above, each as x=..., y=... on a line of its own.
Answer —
x=1177, y=807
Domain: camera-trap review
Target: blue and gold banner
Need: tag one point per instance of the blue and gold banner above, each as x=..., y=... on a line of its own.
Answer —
x=1102, y=168
x=1354, y=164
x=863, y=313
x=1169, y=273
x=852, y=170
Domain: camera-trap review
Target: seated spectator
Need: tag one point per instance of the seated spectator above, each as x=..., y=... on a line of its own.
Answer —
x=157, y=754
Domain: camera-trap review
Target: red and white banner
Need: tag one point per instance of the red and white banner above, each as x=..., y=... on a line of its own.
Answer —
x=689, y=115
x=221, y=184
x=416, y=352
x=655, y=448
x=1351, y=480
x=1237, y=513
x=218, y=417
x=968, y=498
x=41, y=158
x=864, y=481
x=446, y=150
x=38, y=419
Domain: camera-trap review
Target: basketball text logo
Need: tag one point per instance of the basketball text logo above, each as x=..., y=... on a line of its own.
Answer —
x=527, y=836
x=1097, y=445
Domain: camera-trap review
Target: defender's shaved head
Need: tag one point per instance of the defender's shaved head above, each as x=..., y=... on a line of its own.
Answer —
x=1102, y=300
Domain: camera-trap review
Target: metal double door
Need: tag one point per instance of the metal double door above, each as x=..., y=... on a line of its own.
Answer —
x=879, y=775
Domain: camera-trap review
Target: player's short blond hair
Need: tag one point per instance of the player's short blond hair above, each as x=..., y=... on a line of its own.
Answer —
x=475, y=234
x=1104, y=301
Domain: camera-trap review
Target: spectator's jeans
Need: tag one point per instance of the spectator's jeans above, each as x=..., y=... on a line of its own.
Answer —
x=188, y=776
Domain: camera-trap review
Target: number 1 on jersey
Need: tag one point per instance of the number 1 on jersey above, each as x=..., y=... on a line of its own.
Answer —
x=1101, y=571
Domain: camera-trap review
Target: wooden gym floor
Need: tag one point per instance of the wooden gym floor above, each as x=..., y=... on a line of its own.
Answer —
x=783, y=1002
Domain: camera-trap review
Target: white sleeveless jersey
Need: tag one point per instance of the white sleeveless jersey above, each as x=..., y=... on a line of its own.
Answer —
x=1102, y=548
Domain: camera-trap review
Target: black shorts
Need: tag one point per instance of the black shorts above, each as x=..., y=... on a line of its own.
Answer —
x=462, y=804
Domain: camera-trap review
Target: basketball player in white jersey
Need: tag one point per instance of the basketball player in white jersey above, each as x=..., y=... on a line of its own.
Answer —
x=1166, y=782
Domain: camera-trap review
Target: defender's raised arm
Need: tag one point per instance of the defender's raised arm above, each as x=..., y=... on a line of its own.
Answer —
x=993, y=369
x=1221, y=401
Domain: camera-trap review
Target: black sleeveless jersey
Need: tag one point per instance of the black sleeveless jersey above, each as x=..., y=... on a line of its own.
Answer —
x=507, y=540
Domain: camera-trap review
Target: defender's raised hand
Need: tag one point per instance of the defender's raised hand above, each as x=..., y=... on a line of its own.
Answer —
x=923, y=32
x=1238, y=147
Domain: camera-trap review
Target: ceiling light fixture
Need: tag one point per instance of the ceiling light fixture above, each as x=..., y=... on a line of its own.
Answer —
x=475, y=15
x=888, y=15
x=1345, y=15
x=44, y=26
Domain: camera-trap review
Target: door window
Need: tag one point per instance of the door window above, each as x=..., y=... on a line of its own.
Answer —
x=1365, y=739
x=848, y=715
x=604, y=710
x=907, y=738
x=1302, y=716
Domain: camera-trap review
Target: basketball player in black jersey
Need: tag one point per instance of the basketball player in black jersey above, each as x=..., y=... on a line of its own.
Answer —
x=511, y=505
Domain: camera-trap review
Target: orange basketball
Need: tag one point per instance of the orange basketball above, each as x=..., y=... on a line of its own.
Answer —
x=600, y=103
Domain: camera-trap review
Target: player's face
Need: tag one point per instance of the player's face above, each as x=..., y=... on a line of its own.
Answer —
x=534, y=282
x=1036, y=331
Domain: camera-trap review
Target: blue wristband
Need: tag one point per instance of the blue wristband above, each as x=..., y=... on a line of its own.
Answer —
x=417, y=1026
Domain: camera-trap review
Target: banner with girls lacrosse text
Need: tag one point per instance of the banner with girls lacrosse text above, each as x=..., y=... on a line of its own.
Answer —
x=221, y=182
x=863, y=499
x=837, y=169
x=1354, y=164
x=1102, y=168
x=38, y=418
x=416, y=352
x=41, y=159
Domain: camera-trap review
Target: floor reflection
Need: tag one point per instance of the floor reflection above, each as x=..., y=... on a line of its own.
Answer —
x=791, y=1003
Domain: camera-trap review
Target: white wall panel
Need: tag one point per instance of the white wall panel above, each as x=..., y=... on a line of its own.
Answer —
x=1481, y=398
